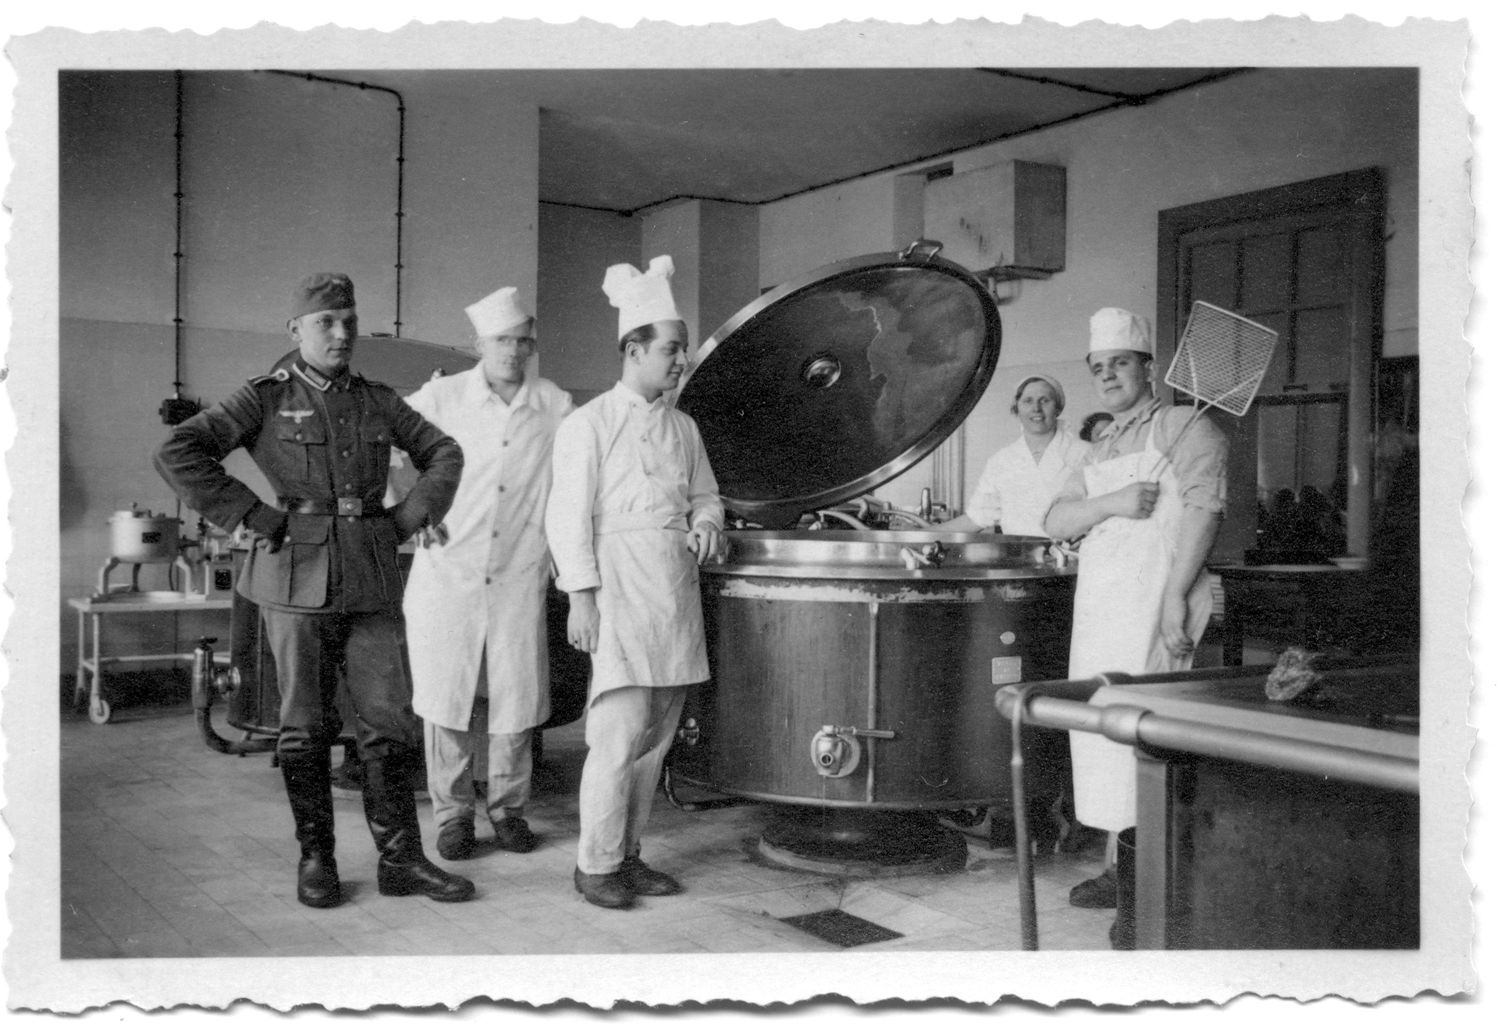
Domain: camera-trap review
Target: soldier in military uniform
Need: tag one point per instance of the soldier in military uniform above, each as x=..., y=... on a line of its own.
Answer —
x=323, y=571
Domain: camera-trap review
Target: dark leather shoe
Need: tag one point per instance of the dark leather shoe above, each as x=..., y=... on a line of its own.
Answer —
x=605, y=891
x=512, y=833
x=644, y=881
x=318, y=881
x=455, y=840
x=425, y=878
x=1100, y=892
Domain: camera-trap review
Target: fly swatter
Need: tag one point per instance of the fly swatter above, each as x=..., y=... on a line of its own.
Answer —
x=1219, y=363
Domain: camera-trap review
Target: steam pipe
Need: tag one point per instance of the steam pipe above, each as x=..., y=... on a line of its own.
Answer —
x=207, y=682
x=669, y=787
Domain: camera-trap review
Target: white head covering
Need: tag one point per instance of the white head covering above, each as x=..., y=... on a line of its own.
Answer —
x=642, y=297
x=1057, y=390
x=1114, y=328
x=497, y=312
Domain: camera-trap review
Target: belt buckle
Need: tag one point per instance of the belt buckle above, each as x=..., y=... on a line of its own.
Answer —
x=351, y=507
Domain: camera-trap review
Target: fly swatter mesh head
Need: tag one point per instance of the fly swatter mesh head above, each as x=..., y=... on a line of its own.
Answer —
x=1221, y=358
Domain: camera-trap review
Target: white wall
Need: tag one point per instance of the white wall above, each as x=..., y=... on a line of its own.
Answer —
x=675, y=229
x=1249, y=132
x=281, y=177
x=577, y=328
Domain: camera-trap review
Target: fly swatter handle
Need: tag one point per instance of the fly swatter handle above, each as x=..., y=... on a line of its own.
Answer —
x=1161, y=462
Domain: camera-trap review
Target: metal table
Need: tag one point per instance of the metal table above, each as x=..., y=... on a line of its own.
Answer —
x=1258, y=824
x=91, y=614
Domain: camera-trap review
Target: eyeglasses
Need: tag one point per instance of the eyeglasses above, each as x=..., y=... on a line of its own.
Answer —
x=520, y=341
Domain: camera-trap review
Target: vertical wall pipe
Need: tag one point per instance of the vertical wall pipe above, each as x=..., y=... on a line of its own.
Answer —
x=400, y=160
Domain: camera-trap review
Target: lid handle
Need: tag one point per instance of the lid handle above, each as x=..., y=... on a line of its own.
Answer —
x=928, y=249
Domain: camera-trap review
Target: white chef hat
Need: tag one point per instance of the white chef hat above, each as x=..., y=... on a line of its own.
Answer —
x=642, y=297
x=1114, y=328
x=497, y=312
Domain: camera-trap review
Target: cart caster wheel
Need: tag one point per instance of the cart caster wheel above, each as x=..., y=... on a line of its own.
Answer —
x=99, y=711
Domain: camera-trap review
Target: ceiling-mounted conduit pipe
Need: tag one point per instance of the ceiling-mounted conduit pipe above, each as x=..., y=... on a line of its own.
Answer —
x=400, y=157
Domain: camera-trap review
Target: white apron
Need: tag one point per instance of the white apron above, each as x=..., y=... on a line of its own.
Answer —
x=1123, y=566
x=650, y=613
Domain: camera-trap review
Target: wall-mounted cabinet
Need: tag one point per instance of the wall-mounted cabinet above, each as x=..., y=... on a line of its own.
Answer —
x=1007, y=215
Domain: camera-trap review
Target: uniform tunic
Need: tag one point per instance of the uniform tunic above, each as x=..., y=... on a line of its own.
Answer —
x=332, y=589
x=1015, y=490
x=630, y=480
x=483, y=593
x=1123, y=567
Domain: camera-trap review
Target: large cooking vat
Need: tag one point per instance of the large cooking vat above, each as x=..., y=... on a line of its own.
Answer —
x=854, y=666
x=844, y=678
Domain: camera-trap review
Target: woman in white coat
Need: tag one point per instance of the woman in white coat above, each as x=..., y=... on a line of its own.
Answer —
x=1020, y=480
x=476, y=603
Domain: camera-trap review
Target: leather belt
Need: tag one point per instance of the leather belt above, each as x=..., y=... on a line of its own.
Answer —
x=343, y=507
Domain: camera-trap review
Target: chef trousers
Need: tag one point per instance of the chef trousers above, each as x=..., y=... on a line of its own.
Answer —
x=310, y=649
x=628, y=731
x=450, y=768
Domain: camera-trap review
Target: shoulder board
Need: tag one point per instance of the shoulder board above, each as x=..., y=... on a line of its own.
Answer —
x=279, y=375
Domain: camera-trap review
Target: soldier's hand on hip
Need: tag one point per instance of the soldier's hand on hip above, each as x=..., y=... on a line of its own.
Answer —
x=437, y=535
x=268, y=524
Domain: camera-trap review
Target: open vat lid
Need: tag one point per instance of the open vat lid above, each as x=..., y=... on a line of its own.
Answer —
x=832, y=384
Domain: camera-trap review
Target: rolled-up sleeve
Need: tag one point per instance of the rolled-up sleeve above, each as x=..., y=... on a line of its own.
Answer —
x=1200, y=460
x=570, y=506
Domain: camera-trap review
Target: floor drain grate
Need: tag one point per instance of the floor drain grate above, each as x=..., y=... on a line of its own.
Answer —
x=841, y=928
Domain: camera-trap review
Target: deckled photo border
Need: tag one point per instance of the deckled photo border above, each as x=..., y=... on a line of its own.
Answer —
x=36, y=979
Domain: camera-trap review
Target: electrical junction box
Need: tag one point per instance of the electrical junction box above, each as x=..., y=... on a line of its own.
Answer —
x=1007, y=215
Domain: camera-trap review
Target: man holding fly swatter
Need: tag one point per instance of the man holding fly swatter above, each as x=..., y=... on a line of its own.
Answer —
x=1149, y=498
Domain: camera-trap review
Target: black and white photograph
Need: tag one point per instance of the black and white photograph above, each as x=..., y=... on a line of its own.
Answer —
x=668, y=513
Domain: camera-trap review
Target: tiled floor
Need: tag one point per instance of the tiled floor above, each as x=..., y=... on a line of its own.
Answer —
x=170, y=849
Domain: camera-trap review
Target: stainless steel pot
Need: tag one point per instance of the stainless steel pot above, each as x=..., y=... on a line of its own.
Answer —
x=140, y=537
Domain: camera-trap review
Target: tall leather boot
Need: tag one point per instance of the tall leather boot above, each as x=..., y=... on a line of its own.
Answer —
x=391, y=811
x=307, y=777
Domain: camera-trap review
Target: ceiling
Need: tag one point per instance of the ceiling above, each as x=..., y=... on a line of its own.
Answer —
x=624, y=140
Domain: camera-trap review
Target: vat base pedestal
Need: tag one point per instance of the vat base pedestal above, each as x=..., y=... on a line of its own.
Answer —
x=861, y=843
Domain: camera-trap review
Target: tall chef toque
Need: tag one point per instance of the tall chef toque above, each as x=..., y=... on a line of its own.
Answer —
x=322, y=291
x=1114, y=328
x=642, y=297
x=497, y=312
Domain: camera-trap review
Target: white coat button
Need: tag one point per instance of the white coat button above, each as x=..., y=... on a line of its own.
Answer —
x=1007, y=638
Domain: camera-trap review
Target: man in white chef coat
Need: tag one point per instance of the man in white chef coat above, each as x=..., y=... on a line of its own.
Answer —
x=1143, y=598
x=634, y=511
x=475, y=603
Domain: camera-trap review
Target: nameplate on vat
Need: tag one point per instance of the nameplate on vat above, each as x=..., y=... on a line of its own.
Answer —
x=1005, y=670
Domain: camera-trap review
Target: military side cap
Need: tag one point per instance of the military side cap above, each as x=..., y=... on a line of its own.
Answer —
x=322, y=291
